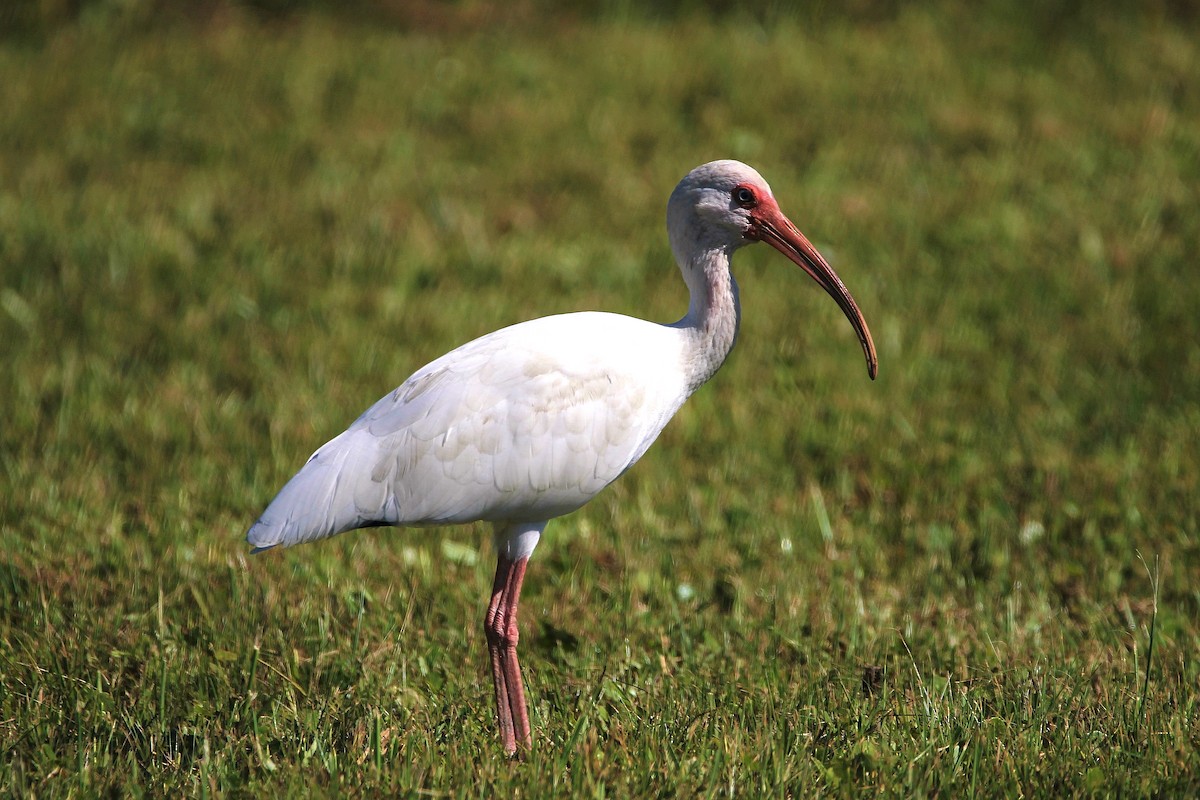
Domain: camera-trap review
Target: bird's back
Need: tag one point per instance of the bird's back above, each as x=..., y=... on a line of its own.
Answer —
x=524, y=424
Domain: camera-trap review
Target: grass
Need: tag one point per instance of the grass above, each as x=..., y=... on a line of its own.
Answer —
x=223, y=236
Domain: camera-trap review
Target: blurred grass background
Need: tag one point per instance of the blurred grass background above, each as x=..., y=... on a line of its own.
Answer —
x=225, y=229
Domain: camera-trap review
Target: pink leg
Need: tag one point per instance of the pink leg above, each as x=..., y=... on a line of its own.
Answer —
x=492, y=623
x=502, y=635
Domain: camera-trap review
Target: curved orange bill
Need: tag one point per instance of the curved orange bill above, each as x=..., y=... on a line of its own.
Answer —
x=778, y=231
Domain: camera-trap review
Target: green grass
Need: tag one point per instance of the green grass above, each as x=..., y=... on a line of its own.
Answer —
x=223, y=236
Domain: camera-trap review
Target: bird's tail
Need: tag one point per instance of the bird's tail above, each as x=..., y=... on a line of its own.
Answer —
x=334, y=492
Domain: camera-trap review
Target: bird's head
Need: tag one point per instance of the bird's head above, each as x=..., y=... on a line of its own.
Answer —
x=723, y=205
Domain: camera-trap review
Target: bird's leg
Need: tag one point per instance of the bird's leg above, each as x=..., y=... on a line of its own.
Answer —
x=518, y=712
x=514, y=546
x=512, y=716
x=494, y=626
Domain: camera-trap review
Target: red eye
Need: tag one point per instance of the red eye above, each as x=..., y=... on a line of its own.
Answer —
x=745, y=197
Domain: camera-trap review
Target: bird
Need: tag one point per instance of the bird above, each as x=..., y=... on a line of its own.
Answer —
x=529, y=423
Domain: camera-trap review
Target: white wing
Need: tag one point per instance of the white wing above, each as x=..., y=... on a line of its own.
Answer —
x=524, y=424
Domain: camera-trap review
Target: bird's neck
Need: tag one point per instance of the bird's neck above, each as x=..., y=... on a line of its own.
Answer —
x=714, y=314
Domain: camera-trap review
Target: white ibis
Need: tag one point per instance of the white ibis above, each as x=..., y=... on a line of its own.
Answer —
x=530, y=422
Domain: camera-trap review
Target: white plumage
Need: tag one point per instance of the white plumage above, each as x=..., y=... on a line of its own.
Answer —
x=522, y=425
x=532, y=421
